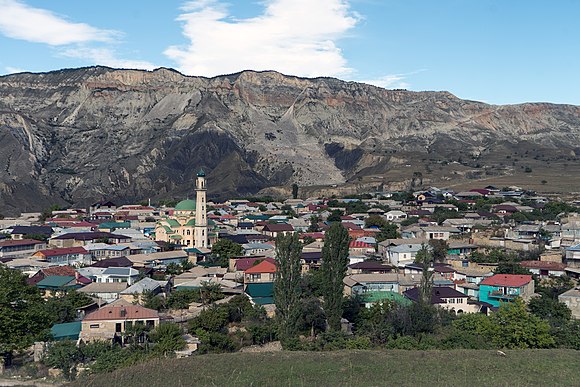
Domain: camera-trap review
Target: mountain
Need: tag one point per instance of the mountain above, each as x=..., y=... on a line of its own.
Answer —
x=79, y=135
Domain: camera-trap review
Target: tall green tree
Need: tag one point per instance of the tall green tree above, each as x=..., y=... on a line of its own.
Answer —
x=439, y=249
x=425, y=259
x=334, y=264
x=287, y=287
x=23, y=316
x=225, y=249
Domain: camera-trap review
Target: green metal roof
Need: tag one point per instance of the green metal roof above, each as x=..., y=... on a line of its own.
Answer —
x=66, y=331
x=175, y=236
x=55, y=282
x=191, y=222
x=114, y=225
x=257, y=217
x=173, y=222
x=168, y=229
x=186, y=205
x=260, y=290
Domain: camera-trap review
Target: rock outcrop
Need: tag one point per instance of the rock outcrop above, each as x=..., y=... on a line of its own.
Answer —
x=75, y=136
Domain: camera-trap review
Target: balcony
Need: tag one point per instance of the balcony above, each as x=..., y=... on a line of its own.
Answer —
x=500, y=295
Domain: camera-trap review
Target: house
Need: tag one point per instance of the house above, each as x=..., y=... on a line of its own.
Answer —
x=257, y=248
x=51, y=271
x=113, y=262
x=572, y=256
x=103, y=250
x=505, y=287
x=460, y=249
x=401, y=254
x=104, y=292
x=430, y=232
x=20, y=248
x=118, y=274
x=135, y=292
x=446, y=298
x=264, y=271
x=572, y=300
x=545, y=269
x=56, y=284
x=66, y=256
x=239, y=265
x=371, y=288
x=360, y=248
x=273, y=229
x=83, y=238
x=369, y=267
x=21, y=232
x=111, y=322
x=162, y=258
x=395, y=215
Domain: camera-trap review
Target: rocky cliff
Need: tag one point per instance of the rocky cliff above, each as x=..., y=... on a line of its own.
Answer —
x=75, y=136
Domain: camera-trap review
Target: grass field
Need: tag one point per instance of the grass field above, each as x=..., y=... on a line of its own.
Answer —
x=355, y=368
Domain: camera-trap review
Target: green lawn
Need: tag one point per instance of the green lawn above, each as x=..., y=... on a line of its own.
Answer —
x=355, y=368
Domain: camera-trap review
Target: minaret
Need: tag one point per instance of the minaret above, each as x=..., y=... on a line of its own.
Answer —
x=200, y=211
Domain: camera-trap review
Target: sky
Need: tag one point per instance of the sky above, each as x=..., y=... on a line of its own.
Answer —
x=495, y=51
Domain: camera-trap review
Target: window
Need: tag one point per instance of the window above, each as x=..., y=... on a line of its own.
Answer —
x=94, y=326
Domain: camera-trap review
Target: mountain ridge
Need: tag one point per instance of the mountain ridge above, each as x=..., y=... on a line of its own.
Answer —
x=73, y=136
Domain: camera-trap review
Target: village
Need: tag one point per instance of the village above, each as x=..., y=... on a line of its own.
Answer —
x=131, y=268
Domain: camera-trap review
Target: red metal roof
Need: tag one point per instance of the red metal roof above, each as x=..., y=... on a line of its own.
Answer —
x=244, y=264
x=543, y=265
x=513, y=280
x=359, y=244
x=122, y=312
x=262, y=267
x=20, y=242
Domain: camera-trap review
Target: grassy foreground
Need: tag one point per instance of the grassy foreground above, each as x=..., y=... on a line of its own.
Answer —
x=350, y=368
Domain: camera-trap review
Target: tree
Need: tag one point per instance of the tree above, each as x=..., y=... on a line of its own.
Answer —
x=210, y=292
x=439, y=249
x=63, y=308
x=287, y=283
x=334, y=265
x=167, y=338
x=294, y=191
x=515, y=328
x=334, y=216
x=311, y=318
x=64, y=355
x=375, y=221
x=180, y=299
x=314, y=220
x=389, y=231
x=551, y=310
x=425, y=260
x=225, y=249
x=23, y=317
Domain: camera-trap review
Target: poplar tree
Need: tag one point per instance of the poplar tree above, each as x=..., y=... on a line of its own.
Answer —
x=287, y=288
x=334, y=265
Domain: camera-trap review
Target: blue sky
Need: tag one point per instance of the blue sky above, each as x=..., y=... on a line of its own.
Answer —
x=499, y=51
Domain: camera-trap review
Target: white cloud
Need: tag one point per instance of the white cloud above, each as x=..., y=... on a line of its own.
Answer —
x=291, y=36
x=392, y=81
x=72, y=40
x=13, y=70
x=106, y=57
x=20, y=21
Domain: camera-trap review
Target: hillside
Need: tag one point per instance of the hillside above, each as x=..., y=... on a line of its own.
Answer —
x=79, y=135
x=349, y=368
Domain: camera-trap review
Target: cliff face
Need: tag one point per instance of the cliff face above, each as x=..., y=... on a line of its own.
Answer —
x=75, y=136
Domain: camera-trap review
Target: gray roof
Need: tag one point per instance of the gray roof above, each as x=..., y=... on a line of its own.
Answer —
x=146, y=284
x=128, y=271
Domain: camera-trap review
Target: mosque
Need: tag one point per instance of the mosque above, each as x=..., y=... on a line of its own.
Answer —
x=188, y=225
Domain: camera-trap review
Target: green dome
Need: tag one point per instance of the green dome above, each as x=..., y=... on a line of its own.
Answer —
x=185, y=205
